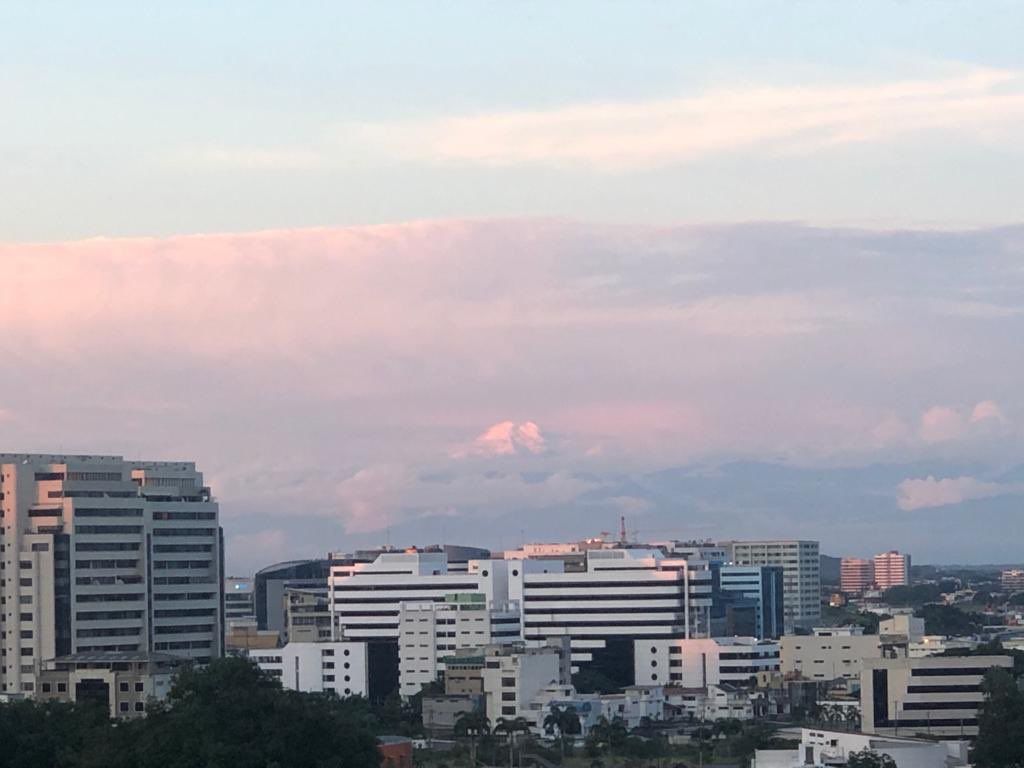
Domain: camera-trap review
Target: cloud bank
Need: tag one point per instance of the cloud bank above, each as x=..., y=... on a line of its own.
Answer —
x=340, y=383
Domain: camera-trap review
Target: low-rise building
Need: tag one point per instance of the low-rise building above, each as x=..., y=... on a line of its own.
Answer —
x=442, y=711
x=513, y=677
x=905, y=626
x=1012, y=580
x=340, y=667
x=820, y=748
x=830, y=653
x=123, y=681
x=934, y=695
x=933, y=645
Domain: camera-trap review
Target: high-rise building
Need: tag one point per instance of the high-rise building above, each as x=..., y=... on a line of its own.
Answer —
x=801, y=567
x=430, y=631
x=621, y=595
x=856, y=575
x=698, y=663
x=239, y=608
x=892, y=569
x=1012, y=580
x=270, y=583
x=749, y=600
x=934, y=695
x=103, y=555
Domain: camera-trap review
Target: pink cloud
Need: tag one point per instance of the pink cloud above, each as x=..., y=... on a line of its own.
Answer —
x=927, y=492
x=940, y=424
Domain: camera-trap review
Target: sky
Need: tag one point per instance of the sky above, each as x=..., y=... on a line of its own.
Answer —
x=494, y=272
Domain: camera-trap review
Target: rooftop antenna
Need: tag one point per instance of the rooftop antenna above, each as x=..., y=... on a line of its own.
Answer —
x=622, y=530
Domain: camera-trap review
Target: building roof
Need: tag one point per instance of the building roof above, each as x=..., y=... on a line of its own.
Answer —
x=113, y=657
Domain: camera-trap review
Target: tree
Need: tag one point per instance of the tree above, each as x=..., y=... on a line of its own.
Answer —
x=565, y=722
x=472, y=726
x=947, y=620
x=867, y=758
x=1000, y=723
x=509, y=728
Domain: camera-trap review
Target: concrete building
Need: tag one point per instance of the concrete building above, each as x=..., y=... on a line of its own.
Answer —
x=307, y=615
x=902, y=626
x=101, y=554
x=698, y=663
x=430, y=631
x=513, y=676
x=239, y=606
x=619, y=596
x=935, y=695
x=749, y=600
x=270, y=583
x=123, y=681
x=892, y=570
x=856, y=575
x=831, y=653
x=442, y=711
x=1012, y=580
x=801, y=565
x=821, y=749
x=365, y=598
x=340, y=667
x=933, y=645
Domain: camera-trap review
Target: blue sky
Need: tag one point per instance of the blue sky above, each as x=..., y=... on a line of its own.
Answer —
x=121, y=118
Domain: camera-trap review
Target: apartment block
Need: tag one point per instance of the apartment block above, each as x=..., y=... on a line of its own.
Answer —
x=934, y=695
x=892, y=569
x=430, y=631
x=1012, y=580
x=513, y=676
x=100, y=554
x=338, y=667
x=856, y=575
x=307, y=615
x=239, y=605
x=831, y=653
x=801, y=565
x=698, y=663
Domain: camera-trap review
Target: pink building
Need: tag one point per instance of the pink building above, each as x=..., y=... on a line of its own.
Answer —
x=856, y=574
x=892, y=569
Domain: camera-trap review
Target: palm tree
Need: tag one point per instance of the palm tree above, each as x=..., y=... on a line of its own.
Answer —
x=852, y=717
x=564, y=721
x=509, y=728
x=472, y=725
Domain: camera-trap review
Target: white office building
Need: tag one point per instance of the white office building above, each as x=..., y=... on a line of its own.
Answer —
x=429, y=631
x=801, y=565
x=339, y=667
x=239, y=605
x=365, y=598
x=622, y=595
x=698, y=663
x=514, y=676
x=831, y=653
x=935, y=695
x=100, y=555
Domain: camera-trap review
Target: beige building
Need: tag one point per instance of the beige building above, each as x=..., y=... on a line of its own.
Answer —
x=124, y=682
x=307, y=616
x=936, y=695
x=801, y=574
x=832, y=653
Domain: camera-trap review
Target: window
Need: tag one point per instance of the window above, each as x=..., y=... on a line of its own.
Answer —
x=26, y=634
x=123, y=706
x=123, y=687
x=24, y=617
x=62, y=687
x=140, y=707
x=140, y=687
x=27, y=687
x=40, y=547
x=46, y=687
x=25, y=582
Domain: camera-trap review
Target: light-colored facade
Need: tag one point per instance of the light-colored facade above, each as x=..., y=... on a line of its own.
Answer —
x=340, y=667
x=621, y=594
x=1012, y=580
x=365, y=598
x=101, y=554
x=801, y=564
x=307, y=616
x=513, y=677
x=429, y=631
x=239, y=607
x=856, y=575
x=829, y=654
x=892, y=569
x=821, y=749
x=902, y=625
x=698, y=663
x=935, y=695
x=124, y=681
x=761, y=586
